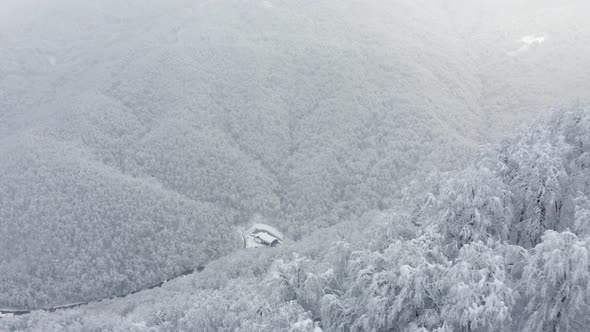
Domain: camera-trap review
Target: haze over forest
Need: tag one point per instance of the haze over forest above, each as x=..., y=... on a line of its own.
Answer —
x=427, y=161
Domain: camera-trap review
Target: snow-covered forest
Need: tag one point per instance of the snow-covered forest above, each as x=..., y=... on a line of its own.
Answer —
x=428, y=163
x=503, y=244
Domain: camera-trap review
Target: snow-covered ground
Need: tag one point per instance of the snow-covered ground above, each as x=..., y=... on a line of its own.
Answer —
x=528, y=42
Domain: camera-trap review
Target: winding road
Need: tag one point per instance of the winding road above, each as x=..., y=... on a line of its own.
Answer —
x=17, y=312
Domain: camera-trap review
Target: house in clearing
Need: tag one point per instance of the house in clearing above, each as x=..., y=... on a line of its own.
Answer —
x=265, y=239
x=262, y=235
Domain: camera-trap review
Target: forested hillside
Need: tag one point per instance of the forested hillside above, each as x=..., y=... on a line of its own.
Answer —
x=503, y=245
x=135, y=136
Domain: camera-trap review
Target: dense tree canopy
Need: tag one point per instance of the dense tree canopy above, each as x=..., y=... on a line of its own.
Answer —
x=441, y=263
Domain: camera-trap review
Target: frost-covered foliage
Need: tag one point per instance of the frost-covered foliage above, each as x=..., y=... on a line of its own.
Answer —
x=475, y=206
x=557, y=282
x=409, y=269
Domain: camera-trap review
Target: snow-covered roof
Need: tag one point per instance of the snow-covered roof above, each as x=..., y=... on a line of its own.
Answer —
x=266, y=228
x=260, y=235
x=265, y=237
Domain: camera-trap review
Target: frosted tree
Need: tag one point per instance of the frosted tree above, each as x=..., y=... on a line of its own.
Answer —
x=287, y=279
x=301, y=281
x=574, y=126
x=532, y=166
x=339, y=313
x=556, y=282
x=479, y=296
x=536, y=167
x=390, y=290
x=542, y=199
x=582, y=215
x=473, y=205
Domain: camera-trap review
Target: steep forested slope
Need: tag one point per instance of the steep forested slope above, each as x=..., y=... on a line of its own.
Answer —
x=503, y=245
x=134, y=134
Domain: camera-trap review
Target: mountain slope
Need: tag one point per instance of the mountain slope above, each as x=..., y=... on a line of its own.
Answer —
x=135, y=135
x=500, y=245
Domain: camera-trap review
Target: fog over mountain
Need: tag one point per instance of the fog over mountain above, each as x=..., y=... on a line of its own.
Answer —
x=137, y=136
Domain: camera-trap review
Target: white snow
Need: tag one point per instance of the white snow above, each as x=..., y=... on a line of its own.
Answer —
x=533, y=39
x=265, y=228
x=528, y=42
